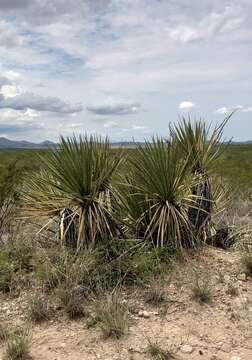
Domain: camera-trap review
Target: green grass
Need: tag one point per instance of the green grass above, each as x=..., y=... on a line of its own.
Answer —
x=235, y=164
x=26, y=158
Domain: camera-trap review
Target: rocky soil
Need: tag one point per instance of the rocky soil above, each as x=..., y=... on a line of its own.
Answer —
x=219, y=330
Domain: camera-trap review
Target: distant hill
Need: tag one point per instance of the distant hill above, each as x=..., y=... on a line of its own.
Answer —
x=22, y=144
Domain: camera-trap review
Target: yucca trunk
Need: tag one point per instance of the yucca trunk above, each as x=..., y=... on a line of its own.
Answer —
x=68, y=230
x=200, y=215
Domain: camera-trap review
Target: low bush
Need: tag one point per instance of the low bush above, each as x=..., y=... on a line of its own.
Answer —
x=119, y=261
x=15, y=259
x=132, y=261
x=7, y=273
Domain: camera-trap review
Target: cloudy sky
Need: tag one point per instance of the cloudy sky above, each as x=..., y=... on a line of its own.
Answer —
x=126, y=68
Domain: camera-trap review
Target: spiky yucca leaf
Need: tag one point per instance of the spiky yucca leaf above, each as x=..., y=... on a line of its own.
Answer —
x=157, y=195
x=198, y=142
x=200, y=146
x=77, y=176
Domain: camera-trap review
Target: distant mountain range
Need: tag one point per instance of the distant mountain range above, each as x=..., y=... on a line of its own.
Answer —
x=13, y=144
x=22, y=144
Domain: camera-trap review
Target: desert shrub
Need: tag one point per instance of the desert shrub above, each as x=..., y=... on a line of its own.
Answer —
x=157, y=352
x=18, y=345
x=15, y=261
x=38, y=308
x=120, y=261
x=246, y=261
x=111, y=315
x=7, y=273
x=76, y=179
x=132, y=261
x=19, y=254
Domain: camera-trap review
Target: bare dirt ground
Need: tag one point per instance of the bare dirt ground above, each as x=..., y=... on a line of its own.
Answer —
x=220, y=330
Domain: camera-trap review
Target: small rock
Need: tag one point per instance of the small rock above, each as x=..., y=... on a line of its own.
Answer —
x=143, y=313
x=242, y=277
x=226, y=348
x=219, y=345
x=187, y=349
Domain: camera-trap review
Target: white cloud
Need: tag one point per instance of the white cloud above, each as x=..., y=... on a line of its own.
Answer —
x=114, y=107
x=9, y=35
x=186, y=106
x=225, y=20
x=225, y=110
x=12, y=117
x=9, y=91
x=222, y=110
x=139, y=127
x=110, y=124
x=248, y=109
x=37, y=102
x=12, y=75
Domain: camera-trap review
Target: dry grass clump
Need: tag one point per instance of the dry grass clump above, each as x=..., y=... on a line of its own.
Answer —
x=3, y=332
x=73, y=302
x=38, y=309
x=246, y=261
x=156, y=351
x=155, y=294
x=200, y=288
x=111, y=315
x=232, y=290
x=18, y=345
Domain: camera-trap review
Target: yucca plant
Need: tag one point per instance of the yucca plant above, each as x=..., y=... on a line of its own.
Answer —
x=157, y=194
x=76, y=183
x=201, y=147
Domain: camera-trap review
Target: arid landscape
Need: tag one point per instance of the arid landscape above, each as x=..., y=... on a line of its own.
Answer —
x=109, y=279
x=125, y=180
